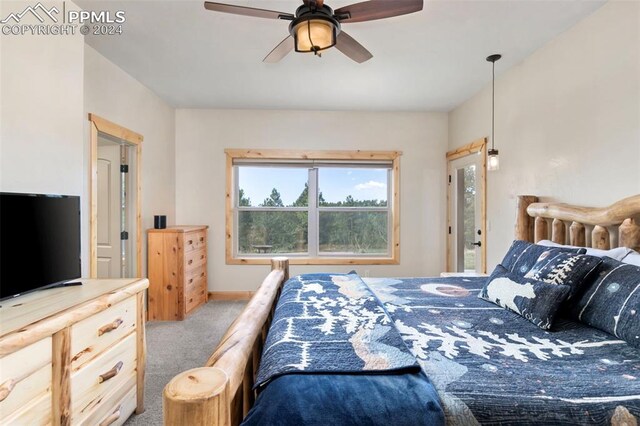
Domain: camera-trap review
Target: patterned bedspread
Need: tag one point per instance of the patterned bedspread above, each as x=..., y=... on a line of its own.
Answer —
x=492, y=367
x=321, y=318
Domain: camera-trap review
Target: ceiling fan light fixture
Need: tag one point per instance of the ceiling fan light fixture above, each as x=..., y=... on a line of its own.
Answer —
x=314, y=35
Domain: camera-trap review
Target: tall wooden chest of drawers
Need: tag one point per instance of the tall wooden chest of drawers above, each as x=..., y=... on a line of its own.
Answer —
x=177, y=271
x=73, y=355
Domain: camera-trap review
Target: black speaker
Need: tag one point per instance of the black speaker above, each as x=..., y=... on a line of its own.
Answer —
x=160, y=222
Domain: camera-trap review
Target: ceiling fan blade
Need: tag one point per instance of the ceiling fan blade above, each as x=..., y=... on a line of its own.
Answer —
x=377, y=9
x=247, y=11
x=350, y=47
x=280, y=51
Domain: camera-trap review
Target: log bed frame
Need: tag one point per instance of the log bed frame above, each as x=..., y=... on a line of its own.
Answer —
x=221, y=392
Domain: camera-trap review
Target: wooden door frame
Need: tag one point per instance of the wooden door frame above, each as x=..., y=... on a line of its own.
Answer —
x=99, y=124
x=474, y=147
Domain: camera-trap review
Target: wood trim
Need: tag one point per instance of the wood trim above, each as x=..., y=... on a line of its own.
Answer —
x=275, y=154
x=468, y=149
x=141, y=351
x=105, y=126
x=474, y=147
x=317, y=261
x=99, y=124
x=228, y=210
x=286, y=154
x=231, y=295
x=61, y=375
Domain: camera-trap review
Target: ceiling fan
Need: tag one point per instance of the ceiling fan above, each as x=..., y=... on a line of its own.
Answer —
x=315, y=26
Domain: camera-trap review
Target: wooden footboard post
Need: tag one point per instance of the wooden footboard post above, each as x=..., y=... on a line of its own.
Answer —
x=524, y=222
x=281, y=263
x=197, y=397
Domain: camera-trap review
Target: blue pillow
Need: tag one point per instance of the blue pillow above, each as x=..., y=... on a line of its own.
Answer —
x=523, y=255
x=564, y=268
x=534, y=300
x=611, y=302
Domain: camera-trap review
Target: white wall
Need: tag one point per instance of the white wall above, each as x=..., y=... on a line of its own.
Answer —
x=41, y=138
x=567, y=121
x=202, y=136
x=113, y=94
x=49, y=84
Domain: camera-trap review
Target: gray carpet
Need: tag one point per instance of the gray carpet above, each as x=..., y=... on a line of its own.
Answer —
x=176, y=346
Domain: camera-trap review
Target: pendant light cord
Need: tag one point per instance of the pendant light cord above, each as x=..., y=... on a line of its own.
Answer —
x=493, y=104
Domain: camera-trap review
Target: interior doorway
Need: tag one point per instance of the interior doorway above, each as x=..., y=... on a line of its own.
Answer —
x=466, y=207
x=115, y=200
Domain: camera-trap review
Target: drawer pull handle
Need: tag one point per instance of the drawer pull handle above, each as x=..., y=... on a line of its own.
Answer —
x=112, y=418
x=6, y=388
x=110, y=327
x=202, y=256
x=202, y=274
x=190, y=261
x=201, y=239
x=191, y=280
x=190, y=242
x=111, y=373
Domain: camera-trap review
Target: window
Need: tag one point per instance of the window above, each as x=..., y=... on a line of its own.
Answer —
x=322, y=207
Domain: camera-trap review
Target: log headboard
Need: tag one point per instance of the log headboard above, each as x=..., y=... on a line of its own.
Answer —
x=597, y=227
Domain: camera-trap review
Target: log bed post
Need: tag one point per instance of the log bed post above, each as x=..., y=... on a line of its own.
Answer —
x=524, y=222
x=221, y=393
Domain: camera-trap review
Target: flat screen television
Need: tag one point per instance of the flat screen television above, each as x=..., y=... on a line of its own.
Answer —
x=39, y=241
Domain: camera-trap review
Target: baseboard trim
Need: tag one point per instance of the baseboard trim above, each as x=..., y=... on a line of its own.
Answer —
x=230, y=295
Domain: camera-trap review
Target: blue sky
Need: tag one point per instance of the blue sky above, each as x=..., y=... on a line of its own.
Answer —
x=335, y=183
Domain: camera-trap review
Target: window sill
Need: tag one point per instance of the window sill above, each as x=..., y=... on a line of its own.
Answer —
x=315, y=260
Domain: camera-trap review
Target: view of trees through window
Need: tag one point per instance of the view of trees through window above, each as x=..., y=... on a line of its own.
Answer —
x=350, y=216
x=469, y=217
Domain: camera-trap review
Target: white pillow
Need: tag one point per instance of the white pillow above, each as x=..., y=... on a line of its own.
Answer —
x=633, y=258
x=618, y=253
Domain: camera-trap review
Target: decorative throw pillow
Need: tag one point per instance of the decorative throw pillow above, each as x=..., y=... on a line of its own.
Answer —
x=534, y=300
x=632, y=258
x=612, y=301
x=522, y=255
x=564, y=268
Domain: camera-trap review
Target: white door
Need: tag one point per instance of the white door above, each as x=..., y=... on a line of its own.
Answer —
x=109, y=209
x=465, y=214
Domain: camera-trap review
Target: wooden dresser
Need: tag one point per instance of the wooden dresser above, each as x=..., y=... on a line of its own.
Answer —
x=177, y=271
x=73, y=355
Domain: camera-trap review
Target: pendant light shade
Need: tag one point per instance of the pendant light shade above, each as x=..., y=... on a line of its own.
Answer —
x=493, y=160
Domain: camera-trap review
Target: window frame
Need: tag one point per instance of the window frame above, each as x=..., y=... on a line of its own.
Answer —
x=350, y=158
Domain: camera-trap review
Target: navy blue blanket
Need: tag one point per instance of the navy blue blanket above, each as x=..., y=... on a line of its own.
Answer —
x=492, y=367
x=321, y=319
x=407, y=399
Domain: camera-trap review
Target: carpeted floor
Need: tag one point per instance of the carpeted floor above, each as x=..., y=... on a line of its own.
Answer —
x=176, y=346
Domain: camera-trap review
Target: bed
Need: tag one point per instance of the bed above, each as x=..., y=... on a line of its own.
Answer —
x=478, y=362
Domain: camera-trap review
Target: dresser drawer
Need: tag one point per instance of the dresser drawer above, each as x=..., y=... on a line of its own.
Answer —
x=194, y=240
x=94, y=382
x=192, y=278
x=116, y=407
x=194, y=259
x=25, y=375
x=36, y=413
x=93, y=335
x=195, y=298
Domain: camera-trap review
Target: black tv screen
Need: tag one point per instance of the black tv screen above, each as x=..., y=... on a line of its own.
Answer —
x=39, y=241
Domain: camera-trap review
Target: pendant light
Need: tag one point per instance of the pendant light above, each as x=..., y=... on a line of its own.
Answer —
x=493, y=161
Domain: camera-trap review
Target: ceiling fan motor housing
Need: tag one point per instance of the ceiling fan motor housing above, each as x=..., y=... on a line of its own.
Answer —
x=314, y=28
